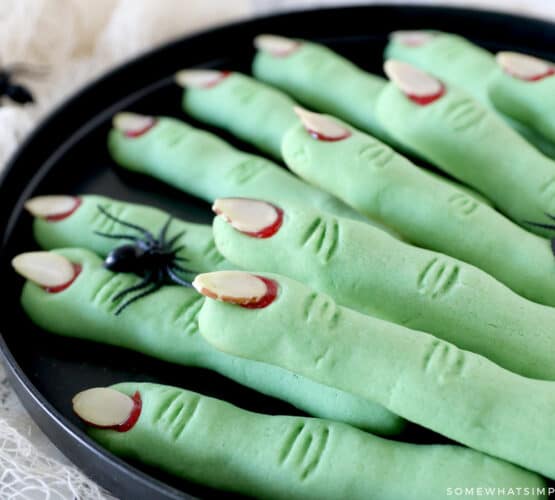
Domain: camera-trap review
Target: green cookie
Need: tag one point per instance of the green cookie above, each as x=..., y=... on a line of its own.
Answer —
x=210, y=111
x=528, y=102
x=469, y=142
x=250, y=110
x=326, y=81
x=214, y=443
x=236, y=114
x=79, y=230
x=459, y=62
x=450, y=57
x=426, y=380
x=164, y=325
x=205, y=166
x=369, y=271
x=424, y=210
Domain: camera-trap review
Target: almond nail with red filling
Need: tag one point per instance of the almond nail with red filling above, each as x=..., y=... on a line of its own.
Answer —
x=524, y=67
x=51, y=271
x=419, y=86
x=277, y=46
x=200, y=78
x=237, y=287
x=107, y=408
x=255, y=218
x=321, y=127
x=133, y=124
x=52, y=207
x=411, y=38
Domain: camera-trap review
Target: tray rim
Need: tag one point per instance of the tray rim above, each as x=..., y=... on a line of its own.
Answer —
x=51, y=421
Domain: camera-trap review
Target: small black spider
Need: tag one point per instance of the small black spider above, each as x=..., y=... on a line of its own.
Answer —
x=545, y=226
x=16, y=92
x=154, y=259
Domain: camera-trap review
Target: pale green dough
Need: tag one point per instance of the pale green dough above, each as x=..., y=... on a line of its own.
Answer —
x=426, y=380
x=320, y=78
x=423, y=209
x=531, y=103
x=250, y=110
x=164, y=325
x=79, y=229
x=459, y=62
x=369, y=271
x=466, y=140
x=205, y=166
x=217, y=444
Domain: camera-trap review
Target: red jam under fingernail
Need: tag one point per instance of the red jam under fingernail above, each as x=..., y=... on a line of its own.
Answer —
x=64, y=215
x=133, y=416
x=141, y=131
x=288, y=52
x=321, y=137
x=270, y=230
x=424, y=100
x=267, y=298
x=536, y=78
x=223, y=76
x=77, y=268
x=414, y=43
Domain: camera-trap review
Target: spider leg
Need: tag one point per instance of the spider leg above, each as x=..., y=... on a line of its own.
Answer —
x=154, y=288
x=537, y=224
x=179, y=259
x=553, y=246
x=176, y=279
x=552, y=217
x=172, y=242
x=147, y=280
x=142, y=230
x=164, y=231
x=177, y=267
x=117, y=236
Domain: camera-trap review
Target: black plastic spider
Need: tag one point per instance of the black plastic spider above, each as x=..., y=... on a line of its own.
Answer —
x=154, y=259
x=546, y=226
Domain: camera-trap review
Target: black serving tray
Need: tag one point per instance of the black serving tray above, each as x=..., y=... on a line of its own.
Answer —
x=67, y=154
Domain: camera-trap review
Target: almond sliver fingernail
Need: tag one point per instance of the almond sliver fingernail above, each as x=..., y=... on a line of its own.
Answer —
x=106, y=408
x=419, y=86
x=235, y=287
x=412, y=38
x=46, y=269
x=320, y=126
x=133, y=124
x=200, y=78
x=277, y=46
x=52, y=207
x=524, y=67
x=255, y=218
